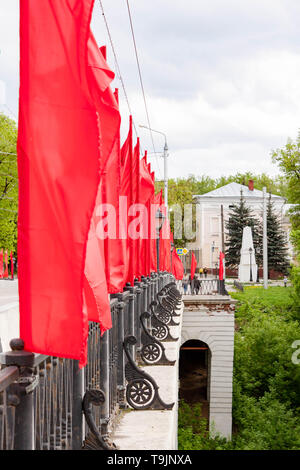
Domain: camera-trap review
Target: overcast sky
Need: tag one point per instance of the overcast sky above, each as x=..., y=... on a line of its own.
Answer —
x=222, y=78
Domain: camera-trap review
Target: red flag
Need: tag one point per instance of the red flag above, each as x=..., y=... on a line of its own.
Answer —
x=221, y=266
x=177, y=266
x=11, y=265
x=5, y=275
x=193, y=265
x=109, y=122
x=1, y=263
x=147, y=192
x=127, y=193
x=58, y=165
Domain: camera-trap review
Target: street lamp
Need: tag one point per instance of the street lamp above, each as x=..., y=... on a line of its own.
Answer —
x=159, y=220
x=250, y=252
x=212, y=256
x=165, y=155
x=172, y=249
x=216, y=264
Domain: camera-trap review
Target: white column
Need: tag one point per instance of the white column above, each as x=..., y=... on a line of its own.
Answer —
x=265, y=240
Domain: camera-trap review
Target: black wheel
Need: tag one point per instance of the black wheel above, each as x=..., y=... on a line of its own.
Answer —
x=139, y=393
x=151, y=353
x=160, y=332
x=164, y=317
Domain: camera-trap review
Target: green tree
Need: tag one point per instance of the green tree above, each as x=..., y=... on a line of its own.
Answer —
x=240, y=216
x=288, y=160
x=8, y=184
x=277, y=242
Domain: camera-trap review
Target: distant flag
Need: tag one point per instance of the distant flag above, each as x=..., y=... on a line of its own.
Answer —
x=193, y=265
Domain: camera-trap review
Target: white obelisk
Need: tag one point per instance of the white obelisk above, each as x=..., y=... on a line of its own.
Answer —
x=247, y=266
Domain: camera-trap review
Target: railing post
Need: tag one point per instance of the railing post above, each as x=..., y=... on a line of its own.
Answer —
x=137, y=314
x=22, y=390
x=77, y=415
x=121, y=362
x=104, y=382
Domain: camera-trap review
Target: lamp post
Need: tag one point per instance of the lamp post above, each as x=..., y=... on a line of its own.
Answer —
x=159, y=219
x=216, y=264
x=212, y=256
x=172, y=249
x=250, y=252
x=165, y=155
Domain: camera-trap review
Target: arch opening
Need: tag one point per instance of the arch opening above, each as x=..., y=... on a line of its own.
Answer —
x=194, y=366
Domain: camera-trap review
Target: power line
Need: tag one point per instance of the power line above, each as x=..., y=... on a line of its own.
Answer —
x=139, y=70
x=117, y=65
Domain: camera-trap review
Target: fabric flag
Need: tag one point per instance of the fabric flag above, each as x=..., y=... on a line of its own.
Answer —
x=107, y=106
x=177, y=266
x=11, y=265
x=58, y=166
x=221, y=266
x=147, y=191
x=5, y=275
x=1, y=263
x=126, y=193
x=136, y=222
x=193, y=265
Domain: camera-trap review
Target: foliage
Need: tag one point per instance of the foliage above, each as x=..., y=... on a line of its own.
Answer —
x=182, y=190
x=240, y=216
x=288, y=160
x=266, y=401
x=277, y=243
x=8, y=184
x=192, y=430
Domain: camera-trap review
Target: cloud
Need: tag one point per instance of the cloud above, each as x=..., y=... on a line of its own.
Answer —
x=221, y=78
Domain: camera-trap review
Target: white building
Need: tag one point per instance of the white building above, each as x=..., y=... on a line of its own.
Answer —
x=209, y=218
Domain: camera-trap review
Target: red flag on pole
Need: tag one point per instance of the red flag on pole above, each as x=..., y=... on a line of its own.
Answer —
x=127, y=195
x=58, y=165
x=177, y=266
x=221, y=266
x=1, y=263
x=5, y=275
x=11, y=265
x=193, y=265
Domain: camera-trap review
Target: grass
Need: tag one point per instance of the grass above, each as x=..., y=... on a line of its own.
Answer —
x=274, y=297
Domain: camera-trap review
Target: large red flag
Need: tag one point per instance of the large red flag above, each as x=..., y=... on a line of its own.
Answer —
x=193, y=265
x=147, y=191
x=177, y=266
x=109, y=122
x=58, y=165
x=127, y=195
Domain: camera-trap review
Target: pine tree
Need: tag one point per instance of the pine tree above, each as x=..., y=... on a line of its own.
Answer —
x=277, y=242
x=239, y=217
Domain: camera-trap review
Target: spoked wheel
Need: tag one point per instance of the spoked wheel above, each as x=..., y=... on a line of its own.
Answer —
x=164, y=317
x=139, y=393
x=160, y=332
x=151, y=353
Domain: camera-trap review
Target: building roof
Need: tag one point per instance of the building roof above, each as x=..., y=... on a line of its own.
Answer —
x=234, y=190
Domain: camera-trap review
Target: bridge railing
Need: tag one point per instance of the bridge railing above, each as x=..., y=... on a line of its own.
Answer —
x=42, y=398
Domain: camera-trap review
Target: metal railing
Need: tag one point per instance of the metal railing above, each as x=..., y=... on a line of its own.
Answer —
x=43, y=399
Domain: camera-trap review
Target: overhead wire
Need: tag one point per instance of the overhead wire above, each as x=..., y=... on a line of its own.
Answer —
x=141, y=81
x=117, y=65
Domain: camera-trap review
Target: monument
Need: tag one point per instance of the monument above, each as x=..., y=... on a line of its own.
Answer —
x=247, y=266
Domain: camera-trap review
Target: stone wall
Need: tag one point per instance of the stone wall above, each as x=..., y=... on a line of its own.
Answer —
x=211, y=320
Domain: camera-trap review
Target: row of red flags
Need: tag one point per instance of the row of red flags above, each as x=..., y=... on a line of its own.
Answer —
x=4, y=270
x=71, y=166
